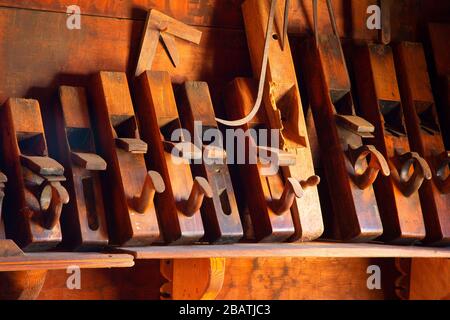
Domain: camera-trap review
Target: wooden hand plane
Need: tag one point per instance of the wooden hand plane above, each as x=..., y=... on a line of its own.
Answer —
x=380, y=103
x=269, y=197
x=83, y=220
x=179, y=207
x=345, y=157
x=129, y=188
x=3, y=181
x=220, y=214
x=284, y=112
x=35, y=196
x=425, y=134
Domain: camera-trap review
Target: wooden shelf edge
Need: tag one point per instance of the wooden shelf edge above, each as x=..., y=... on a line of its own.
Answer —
x=303, y=250
x=61, y=261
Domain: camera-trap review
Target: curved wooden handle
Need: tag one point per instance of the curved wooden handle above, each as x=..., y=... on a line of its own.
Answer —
x=294, y=190
x=200, y=190
x=443, y=181
x=422, y=171
x=366, y=176
x=53, y=198
x=154, y=183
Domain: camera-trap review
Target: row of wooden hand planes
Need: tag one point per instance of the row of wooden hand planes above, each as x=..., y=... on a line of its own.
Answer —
x=114, y=179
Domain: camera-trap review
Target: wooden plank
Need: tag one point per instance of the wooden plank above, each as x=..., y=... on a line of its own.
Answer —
x=430, y=279
x=61, y=261
x=306, y=250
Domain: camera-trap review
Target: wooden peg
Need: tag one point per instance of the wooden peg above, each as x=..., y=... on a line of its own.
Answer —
x=131, y=222
x=25, y=160
x=200, y=190
x=159, y=119
x=160, y=26
x=355, y=215
x=153, y=184
x=426, y=133
x=220, y=213
x=53, y=198
x=284, y=110
x=381, y=104
x=89, y=161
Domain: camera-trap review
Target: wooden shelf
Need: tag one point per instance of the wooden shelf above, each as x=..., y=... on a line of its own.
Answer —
x=306, y=250
x=61, y=261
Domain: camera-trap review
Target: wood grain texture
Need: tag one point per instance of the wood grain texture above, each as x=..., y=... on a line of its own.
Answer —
x=430, y=279
x=426, y=135
x=381, y=104
x=159, y=118
x=33, y=173
x=220, y=214
x=84, y=219
x=306, y=250
x=140, y=282
x=284, y=112
x=126, y=176
x=303, y=279
x=355, y=212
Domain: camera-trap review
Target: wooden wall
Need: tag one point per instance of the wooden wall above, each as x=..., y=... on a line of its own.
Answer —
x=38, y=53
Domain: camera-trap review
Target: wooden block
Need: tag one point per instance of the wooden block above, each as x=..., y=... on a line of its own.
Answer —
x=220, y=214
x=284, y=112
x=180, y=218
x=128, y=186
x=379, y=94
x=425, y=137
x=263, y=193
x=344, y=156
x=84, y=219
x=35, y=198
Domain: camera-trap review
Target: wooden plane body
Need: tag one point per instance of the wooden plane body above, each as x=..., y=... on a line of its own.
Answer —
x=83, y=220
x=425, y=134
x=129, y=189
x=220, y=214
x=179, y=207
x=263, y=191
x=284, y=112
x=380, y=103
x=34, y=194
x=340, y=132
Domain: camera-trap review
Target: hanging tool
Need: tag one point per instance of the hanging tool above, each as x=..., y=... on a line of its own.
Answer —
x=160, y=26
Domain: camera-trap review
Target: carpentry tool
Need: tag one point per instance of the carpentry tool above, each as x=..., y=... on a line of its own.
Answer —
x=398, y=195
x=3, y=180
x=179, y=207
x=341, y=132
x=127, y=183
x=34, y=196
x=440, y=48
x=159, y=26
x=220, y=214
x=83, y=220
x=426, y=139
x=268, y=197
x=284, y=112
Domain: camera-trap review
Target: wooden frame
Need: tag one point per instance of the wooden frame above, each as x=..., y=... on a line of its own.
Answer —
x=426, y=138
x=35, y=196
x=132, y=214
x=83, y=220
x=220, y=214
x=380, y=103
